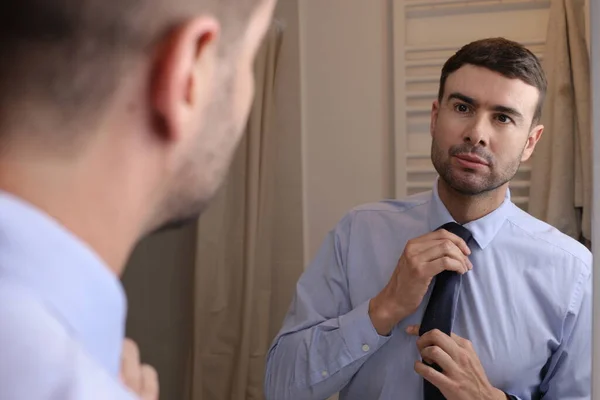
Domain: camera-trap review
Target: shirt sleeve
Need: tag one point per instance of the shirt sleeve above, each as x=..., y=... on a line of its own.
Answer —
x=569, y=373
x=324, y=339
x=40, y=360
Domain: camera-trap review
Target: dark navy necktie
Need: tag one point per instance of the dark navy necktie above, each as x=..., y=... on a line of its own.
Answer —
x=441, y=309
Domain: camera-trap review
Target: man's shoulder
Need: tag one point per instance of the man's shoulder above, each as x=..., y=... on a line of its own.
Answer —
x=40, y=359
x=384, y=215
x=548, y=236
x=398, y=207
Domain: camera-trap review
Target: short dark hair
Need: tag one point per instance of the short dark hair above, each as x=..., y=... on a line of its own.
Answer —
x=506, y=57
x=72, y=53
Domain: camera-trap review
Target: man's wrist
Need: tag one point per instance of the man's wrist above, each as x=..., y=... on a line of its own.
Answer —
x=382, y=318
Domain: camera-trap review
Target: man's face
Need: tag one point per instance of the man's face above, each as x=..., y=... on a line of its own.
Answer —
x=206, y=159
x=482, y=129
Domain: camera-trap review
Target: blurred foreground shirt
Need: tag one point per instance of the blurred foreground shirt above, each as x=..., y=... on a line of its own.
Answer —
x=62, y=312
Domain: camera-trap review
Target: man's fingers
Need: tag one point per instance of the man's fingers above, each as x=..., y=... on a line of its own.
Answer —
x=130, y=365
x=435, y=337
x=419, y=245
x=438, y=338
x=445, y=264
x=444, y=234
x=130, y=352
x=434, y=239
x=150, y=386
x=426, y=241
x=436, y=378
x=462, y=342
x=141, y=379
x=435, y=355
x=413, y=330
x=445, y=249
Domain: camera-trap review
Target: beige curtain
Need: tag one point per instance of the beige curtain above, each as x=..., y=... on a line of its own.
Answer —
x=239, y=286
x=158, y=284
x=561, y=181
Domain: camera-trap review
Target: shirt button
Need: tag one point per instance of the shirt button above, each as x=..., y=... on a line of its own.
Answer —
x=324, y=373
x=366, y=348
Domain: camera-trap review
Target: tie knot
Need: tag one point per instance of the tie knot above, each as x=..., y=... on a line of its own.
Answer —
x=458, y=230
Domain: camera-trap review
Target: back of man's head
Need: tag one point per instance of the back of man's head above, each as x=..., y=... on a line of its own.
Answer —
x=131, y=107
x=72, y=53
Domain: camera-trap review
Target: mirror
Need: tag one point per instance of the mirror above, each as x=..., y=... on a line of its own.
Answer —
x=343, y=119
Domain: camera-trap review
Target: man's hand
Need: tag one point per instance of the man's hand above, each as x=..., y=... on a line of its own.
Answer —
x=422, y=259
x=463, y=377
x=141, y=379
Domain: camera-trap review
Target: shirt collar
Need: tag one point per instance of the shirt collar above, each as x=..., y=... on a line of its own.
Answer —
x=484, y=229
x=68, y=276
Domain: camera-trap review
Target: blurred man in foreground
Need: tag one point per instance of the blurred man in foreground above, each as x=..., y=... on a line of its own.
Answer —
x=117, y=119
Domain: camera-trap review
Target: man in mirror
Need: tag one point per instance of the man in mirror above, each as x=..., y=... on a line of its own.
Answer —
x=454, y=293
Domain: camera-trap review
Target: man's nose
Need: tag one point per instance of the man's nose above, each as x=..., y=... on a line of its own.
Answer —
x=477, y=133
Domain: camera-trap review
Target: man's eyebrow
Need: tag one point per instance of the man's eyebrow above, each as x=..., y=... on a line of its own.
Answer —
x=498, y=108
x=508, y=110
x=462, y=97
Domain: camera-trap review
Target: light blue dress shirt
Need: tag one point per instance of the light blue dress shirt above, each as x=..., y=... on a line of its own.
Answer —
x=526, y=306
x=62, y=312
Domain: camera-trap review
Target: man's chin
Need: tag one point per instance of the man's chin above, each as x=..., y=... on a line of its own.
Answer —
x=472, y=186
x=467, y=185
x=175, y=225
x=468, y=190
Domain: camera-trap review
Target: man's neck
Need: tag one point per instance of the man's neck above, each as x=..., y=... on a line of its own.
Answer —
x=464, y=208
x=85, y=208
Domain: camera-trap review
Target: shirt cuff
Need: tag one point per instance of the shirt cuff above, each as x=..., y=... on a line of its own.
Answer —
x=359, y=334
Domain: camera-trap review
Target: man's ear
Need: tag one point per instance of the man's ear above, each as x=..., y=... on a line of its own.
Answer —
x=183, y=72
x=534, y=136
x=435, y=109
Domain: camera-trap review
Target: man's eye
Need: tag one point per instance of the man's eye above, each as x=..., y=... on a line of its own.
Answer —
x=504, y=119
x=461, y=108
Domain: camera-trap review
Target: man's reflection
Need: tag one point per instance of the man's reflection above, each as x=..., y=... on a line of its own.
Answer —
x=518, y=306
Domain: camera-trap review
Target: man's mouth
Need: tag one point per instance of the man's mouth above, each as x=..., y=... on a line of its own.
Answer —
x=471, y=161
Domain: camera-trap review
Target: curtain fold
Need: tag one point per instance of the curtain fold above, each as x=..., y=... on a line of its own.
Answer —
x=561, y=181
x=236, y=269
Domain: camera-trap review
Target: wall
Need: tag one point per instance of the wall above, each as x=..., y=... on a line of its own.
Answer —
x=346, y=103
